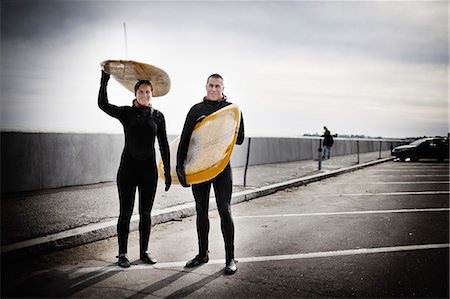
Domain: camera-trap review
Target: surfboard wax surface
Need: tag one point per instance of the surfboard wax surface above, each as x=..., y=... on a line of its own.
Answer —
x=210, y=146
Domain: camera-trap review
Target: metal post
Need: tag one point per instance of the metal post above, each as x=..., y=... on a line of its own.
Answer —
x=246, y=162
x=357, y=151
x=125, y=38
x=320, y=155
x=379, y=156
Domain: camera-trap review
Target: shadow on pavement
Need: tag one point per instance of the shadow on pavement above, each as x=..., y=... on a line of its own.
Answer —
x=53, y=283
x=158, y=285
x=184, y=292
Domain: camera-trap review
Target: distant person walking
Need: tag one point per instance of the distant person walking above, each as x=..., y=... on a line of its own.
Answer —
x=137, y=168
x=327, y=143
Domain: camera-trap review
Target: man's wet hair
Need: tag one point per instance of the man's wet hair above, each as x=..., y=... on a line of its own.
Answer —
x=215, y=76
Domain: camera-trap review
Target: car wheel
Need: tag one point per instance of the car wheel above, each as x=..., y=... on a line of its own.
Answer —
x=402, y=158
x=414, y=158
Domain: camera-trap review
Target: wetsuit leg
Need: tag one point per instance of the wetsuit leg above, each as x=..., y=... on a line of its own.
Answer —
x=147, y=190
x=325, y=150
x=201, y=195
x=127, y=189
x=223, y=187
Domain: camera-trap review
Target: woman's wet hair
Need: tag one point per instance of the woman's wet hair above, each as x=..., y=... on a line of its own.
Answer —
x=142, y=82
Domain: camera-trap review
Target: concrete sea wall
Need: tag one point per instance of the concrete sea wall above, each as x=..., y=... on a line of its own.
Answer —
x=34, y=161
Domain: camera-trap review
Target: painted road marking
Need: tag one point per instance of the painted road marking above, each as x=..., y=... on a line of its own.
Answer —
x=345, y=213
x=398, y=193
x=385, y=193
x=344, y=252
x=102, y=270
x=390, y=183
x=413, y=167
x=406, y=170
x=420, y=175
x=408, y=193
x=406, y=175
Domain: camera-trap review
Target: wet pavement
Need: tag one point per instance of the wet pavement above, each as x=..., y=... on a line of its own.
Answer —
x=30, y=215
x=377, y=232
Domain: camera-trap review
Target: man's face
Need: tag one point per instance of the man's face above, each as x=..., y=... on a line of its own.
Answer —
x=214, y=89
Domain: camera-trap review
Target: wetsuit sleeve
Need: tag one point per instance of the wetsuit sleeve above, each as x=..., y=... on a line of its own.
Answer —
x=185, y=137
x=164, y=144
x=241, y=133
x=112, y=110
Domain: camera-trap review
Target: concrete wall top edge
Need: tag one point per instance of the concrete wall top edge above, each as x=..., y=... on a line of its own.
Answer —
x=175, y=135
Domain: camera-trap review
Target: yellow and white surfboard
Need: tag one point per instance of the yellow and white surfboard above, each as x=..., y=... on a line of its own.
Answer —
x=210, y=147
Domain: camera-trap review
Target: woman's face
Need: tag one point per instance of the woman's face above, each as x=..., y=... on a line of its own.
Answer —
x=144, y=95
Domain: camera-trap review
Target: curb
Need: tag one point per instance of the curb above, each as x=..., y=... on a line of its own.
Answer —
x=98, y=231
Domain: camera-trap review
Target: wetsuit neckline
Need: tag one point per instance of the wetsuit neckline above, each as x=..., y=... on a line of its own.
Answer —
x=136, y=105
x=214, y=103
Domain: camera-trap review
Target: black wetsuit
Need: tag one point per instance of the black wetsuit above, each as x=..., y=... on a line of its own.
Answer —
x=223, y=183
x=138, y=164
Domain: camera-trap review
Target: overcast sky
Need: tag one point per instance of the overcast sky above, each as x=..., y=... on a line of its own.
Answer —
x=375, y=68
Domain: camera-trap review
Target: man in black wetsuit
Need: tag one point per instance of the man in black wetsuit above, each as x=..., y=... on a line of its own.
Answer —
x=223, y=183
x=137, y=168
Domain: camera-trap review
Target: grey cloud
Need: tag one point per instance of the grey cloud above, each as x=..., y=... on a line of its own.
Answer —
x=36, y=19
x=398, y=31
x=402, y=30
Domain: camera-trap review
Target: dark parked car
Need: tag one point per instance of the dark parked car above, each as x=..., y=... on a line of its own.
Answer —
x=425, y=148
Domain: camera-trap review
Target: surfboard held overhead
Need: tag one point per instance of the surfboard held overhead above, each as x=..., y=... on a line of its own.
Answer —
x=128, y=73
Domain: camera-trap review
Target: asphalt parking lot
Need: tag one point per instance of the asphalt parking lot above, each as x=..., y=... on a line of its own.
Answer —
x=381, y=231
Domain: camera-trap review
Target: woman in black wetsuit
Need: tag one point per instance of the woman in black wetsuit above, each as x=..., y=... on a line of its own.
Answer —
x=137, y=168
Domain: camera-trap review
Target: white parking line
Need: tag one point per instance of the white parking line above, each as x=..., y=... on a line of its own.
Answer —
x=344, y=213
x=406, y=170
x=395, y=193
x=344, y=252
x=102, y=270
x=406, y=193
x=390, y=183
x=414, y=167
x=406, y=175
